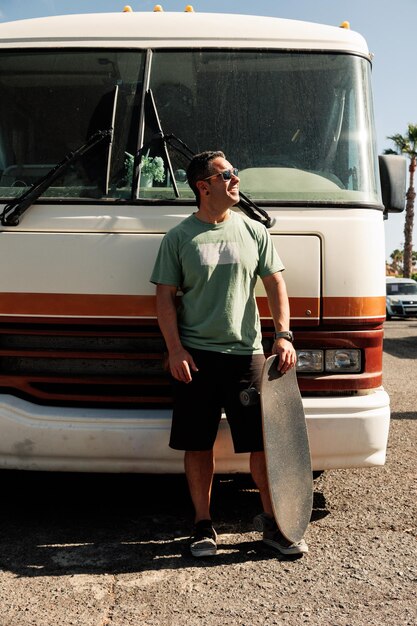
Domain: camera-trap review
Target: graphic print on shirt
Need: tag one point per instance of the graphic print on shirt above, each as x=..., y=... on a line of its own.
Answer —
x=222, y=253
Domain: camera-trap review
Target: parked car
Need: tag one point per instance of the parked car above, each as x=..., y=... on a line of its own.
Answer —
x=401, y=297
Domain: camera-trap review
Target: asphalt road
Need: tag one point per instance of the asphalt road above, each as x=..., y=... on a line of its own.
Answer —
x=108, y=550
x=400, y=366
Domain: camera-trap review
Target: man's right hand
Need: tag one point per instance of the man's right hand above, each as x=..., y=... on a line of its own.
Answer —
x=181, y=364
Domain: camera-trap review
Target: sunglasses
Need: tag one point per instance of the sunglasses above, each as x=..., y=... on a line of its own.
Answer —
x=226, y=175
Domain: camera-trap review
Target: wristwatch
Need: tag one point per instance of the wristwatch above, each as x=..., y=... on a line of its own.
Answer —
x=284, y=334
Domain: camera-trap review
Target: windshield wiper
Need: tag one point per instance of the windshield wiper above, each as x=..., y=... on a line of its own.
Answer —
x=245, y=204
x=159, y=134
x=15, y=209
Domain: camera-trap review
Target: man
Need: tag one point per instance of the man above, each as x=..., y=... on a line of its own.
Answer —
x=213, y=336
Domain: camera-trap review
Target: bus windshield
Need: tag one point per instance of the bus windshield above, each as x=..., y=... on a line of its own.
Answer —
x=298, y=125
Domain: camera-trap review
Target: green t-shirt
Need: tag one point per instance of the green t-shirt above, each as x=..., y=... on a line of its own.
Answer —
x=216, y=267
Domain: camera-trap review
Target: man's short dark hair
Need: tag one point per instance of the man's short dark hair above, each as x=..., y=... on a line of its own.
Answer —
x=200, y=167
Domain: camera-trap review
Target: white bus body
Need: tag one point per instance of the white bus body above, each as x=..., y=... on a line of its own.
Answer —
x=82, y=383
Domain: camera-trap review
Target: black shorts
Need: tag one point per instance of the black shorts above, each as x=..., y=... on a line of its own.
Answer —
x=198, y=405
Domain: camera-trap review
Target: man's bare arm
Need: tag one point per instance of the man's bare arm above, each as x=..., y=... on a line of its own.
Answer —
x=279, y=306
x=181, y=363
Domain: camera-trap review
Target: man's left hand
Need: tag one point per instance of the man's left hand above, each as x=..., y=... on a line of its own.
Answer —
x=286, y=353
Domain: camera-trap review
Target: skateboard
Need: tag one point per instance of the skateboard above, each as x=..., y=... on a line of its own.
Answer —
x=287, y=449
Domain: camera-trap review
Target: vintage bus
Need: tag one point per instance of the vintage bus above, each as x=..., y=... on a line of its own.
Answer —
x=98, y=117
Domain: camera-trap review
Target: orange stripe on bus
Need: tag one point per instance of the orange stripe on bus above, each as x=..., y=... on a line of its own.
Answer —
x=300, y=307
x=111, y=305
x=88, y=305
x=372, y=306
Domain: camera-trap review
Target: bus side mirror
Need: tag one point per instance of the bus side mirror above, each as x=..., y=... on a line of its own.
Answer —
x=393, y=175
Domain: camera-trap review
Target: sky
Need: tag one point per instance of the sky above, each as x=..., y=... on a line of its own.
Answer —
x=387, y=25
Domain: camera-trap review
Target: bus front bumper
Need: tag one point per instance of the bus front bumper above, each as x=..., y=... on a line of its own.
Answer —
x=343, y=432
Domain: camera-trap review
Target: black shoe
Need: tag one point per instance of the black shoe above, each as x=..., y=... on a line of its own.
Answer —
x=272, y=536
x=203, y=539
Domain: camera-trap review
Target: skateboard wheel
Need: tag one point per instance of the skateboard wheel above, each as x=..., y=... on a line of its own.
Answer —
x=249, y=397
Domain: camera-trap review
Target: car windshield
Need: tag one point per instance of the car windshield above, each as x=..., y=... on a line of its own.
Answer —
x=401, y=289
x=297, y=125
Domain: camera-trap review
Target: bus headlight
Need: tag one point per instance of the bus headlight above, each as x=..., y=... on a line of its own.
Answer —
x=309, y=361
x=348, y=361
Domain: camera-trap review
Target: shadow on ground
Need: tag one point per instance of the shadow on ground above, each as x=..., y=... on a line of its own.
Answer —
x=63, y=524
x=401, y=347
x=407, y=415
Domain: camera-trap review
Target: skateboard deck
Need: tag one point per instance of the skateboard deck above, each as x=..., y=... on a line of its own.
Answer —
x=287, y=450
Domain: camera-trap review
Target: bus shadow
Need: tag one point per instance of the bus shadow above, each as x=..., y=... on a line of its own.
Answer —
x=65, y=524
x=401, y=347
x=406, y=415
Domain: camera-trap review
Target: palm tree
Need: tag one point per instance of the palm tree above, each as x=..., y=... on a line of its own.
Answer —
x=407, y=145
x=397, y=257
x=397, y=261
